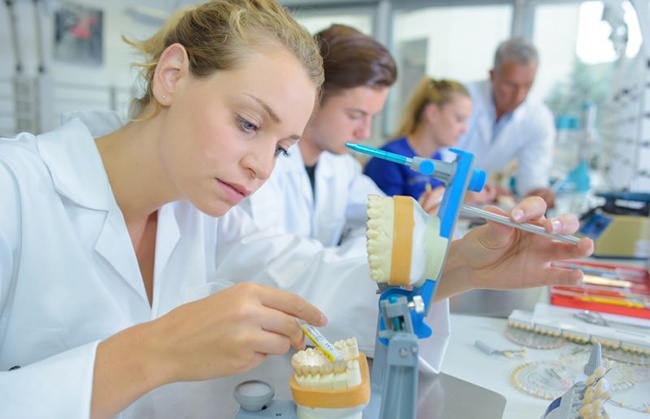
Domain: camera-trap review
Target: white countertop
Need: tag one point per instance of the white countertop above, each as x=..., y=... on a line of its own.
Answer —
x=463, y=360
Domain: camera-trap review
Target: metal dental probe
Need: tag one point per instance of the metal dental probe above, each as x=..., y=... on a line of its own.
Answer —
x=531, y=228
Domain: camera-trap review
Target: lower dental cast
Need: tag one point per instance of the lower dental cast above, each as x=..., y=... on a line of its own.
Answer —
x=314, y=369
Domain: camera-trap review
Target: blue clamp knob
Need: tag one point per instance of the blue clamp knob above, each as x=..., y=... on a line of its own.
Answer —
x=426, y=167
x=477, y=181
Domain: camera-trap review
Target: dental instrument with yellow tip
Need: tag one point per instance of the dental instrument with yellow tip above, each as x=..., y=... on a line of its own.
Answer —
x=321, y=342
x=330, y=380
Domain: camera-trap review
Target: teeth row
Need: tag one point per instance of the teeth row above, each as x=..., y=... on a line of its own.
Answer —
x=349, y=348
x=313, y=369
x=379, y=235
x=349, y=378
x=578, y=337
x=313, y=361
x=596, y=393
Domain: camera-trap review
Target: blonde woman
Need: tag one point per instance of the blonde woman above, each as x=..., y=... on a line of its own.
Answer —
x=106, y=243
x=435, y=117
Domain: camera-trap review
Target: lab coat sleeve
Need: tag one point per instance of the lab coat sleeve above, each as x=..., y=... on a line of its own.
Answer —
x=335, y=279
x=536, y=156
x=56, y=387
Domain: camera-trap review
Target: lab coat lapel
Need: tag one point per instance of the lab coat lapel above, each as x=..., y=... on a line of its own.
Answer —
x=504, y=147
x=79, y=176
x=111, y=243
x=492, y=147
x=167, y=238
x=325, y=177
x=303, y=184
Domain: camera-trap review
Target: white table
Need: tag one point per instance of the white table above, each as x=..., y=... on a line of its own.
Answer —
x=463, y=360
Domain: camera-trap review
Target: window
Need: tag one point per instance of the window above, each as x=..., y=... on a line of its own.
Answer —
x=456, y=42
x=315, y=20
x=580, y=46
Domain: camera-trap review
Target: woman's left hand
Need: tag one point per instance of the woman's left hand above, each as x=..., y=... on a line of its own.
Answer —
x=431, y=198
x=497, y=256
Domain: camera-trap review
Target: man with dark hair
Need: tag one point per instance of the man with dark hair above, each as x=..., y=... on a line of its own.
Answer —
x=320, y=192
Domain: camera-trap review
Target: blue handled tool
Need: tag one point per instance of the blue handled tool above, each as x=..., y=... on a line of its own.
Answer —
x=444, y=171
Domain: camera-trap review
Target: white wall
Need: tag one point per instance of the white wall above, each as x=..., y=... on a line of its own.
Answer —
x=60, y=78
x=116, y=54
x=461, y=36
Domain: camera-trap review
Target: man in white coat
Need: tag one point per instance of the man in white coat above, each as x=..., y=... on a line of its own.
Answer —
x=322, y=189
x=508, y=125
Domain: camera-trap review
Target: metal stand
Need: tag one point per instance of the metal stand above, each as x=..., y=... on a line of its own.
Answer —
x=395, y=368
x=394, y=377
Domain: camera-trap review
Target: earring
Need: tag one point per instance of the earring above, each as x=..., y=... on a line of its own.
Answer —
x=163, y=98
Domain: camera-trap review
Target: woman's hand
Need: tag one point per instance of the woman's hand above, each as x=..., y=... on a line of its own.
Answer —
x=232, y=331
x=431, y=198
x=489, y=194
x=496, y=256
x=546, y=194
x=229, y=332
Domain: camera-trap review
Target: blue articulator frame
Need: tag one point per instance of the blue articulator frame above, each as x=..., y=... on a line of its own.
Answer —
x=458, y=177
x=394, y=378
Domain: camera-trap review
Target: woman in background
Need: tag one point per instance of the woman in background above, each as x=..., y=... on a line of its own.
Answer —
x=435, y=117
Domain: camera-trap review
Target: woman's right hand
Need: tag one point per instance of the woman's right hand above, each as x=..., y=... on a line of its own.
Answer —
x=231, y=331
x=227, y=333
x=431, y=198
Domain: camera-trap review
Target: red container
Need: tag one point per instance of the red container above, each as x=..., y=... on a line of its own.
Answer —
x=608, y=288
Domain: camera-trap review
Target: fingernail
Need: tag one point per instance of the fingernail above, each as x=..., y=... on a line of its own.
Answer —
x=517, y=214
x=323, y=319
x=557, y=225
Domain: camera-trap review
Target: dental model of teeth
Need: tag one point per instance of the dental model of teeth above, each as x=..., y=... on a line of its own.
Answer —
x=586, y=398
x=314, y=369
x=323, y=388
x=403, y=242
x=596, y=394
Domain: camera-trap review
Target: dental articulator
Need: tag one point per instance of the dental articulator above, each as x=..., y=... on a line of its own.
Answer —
x=407, y=249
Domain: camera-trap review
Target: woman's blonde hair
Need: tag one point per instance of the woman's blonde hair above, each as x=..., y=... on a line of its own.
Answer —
x=219, y=34
x=428, y=91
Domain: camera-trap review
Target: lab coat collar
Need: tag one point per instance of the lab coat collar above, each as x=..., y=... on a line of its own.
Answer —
x=295, y=164
x=326, y=167
x=78, y=174
x=72, y=158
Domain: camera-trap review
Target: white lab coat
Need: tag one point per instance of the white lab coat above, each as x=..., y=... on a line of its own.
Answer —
x=69, y=278
x=527, y=138
x=286, y=203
